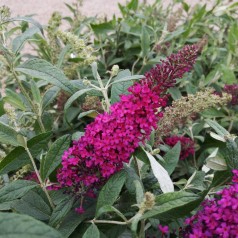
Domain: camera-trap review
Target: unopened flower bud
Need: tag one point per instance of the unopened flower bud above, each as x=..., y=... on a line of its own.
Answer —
x=86, y=82
x=115, y=70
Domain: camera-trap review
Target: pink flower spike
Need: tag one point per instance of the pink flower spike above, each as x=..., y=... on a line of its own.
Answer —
x=111, y=139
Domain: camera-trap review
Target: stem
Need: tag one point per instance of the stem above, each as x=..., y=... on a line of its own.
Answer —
x=108, y=222
x=134, y=65
x=108, y=82
x=104, y=92
x=39, y=178
x=142, y=228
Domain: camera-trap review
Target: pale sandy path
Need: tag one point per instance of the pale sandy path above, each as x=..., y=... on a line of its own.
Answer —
x=44, y=8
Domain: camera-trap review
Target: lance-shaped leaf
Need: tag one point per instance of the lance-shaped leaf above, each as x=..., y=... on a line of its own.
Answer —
x=120, y=87
x=42, y=69
x=34, y=205
x=92, y=232
x=53, y=157
x=8, y=135
x=161, y=174
x=23, y=226
x=111, y=190
x=49, y=97
x=75, y=96
x=18, y=156
x=26, y=19
x=19, y=41
x=16, y=189
x=60, y=211
x=218, y=128
x=171, y=158
x=174, y=205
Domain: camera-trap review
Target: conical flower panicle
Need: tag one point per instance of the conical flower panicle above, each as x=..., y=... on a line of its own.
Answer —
x=113, y=137
x=164, y=75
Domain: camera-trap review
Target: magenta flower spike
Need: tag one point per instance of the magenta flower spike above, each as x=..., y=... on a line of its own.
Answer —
x=112, y=138
x=218, y=217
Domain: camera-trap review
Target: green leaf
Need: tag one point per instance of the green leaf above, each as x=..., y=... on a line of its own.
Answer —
x=228, y=75
x=90, y=113
x=220, y=178
x=14, y=225
x=174, y=34
x=161, y=174
x=8, y=135
x=60, y=211
x=133, y=5
x=111, y=190
x=185, y=6
x=216, y=163
x=232, y=152
x=33, y=204
x=120, y=87
x=75, y=96
x=127, y=78
x=134, y=184
x=171, y=158
x=102, y=28
x=196, y=181
x=16, y=189
x=14, y=99
x=175, y=93
x=26, y=19
x=145, y=41
x=41, y=69
x=212, y=112
x=108, y=208
x=72, y=220
x=19, y=41
x=35, y=92
x=218, y=129
x=92, y=232
x=2, y=111
x=139, y=191
x=49, y=97
x=4, y=206
x=174, y=205
x=134, y=224
x=62, y=54
x=232, y=37
x=18, y=156
x=53, y=157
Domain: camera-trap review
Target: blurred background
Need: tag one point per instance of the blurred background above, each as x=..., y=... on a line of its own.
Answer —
x=44, y=8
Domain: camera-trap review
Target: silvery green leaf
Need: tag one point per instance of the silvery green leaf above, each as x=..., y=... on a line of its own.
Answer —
x=161, y=174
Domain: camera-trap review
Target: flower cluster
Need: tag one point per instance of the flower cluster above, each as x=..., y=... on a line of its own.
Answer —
x=218, y=217
x=233, y=90
x=187, y=145
x=164, y=75
x=184, y=108
x=113, y=137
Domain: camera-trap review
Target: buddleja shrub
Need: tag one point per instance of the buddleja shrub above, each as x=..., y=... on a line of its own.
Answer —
x=108, y=157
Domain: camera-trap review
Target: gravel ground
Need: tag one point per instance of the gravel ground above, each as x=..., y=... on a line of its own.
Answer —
x=44, y=8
